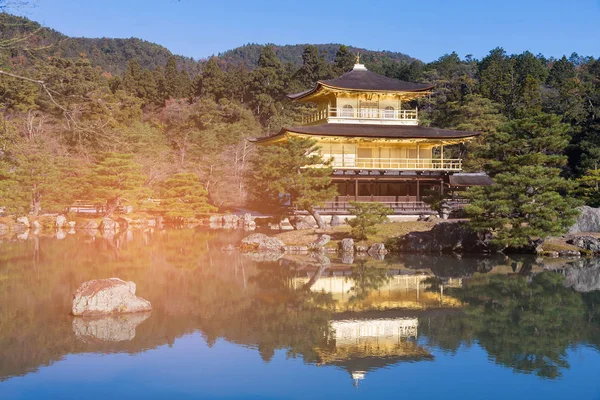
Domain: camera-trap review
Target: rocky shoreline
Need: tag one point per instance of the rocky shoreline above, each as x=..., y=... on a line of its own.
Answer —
x=422, y=237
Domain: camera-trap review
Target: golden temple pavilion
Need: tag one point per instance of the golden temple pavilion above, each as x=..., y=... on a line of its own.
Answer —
x=379, y=151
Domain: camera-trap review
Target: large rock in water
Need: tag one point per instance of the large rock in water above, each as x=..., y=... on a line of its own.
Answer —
x=588, y=220
x=260, y=241
x=447, y=237
x=107, y=296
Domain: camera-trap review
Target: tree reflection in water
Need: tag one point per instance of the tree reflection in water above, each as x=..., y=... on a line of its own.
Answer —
x=366, y=280
x=525, y=325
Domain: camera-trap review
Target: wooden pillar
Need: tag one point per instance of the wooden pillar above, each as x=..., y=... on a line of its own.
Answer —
x=442, y=156
x=418, y=190
x=355, y=188
x=418, y=155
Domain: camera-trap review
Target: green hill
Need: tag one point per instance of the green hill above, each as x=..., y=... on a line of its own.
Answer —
x=249, y=53
x=112, y=54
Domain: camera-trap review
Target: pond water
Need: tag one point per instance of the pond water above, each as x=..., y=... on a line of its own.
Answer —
x=229, y=325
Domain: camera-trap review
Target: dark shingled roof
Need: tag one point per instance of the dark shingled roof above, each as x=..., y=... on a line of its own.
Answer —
x=374, y=131
x=362, y=79
x=473, y=179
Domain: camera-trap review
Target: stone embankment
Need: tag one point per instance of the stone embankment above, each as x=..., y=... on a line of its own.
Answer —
x=60, y=225
x=232, y=221
x=260, y=247
x=447, y=237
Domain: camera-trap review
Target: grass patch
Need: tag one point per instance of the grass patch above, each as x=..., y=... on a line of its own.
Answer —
x=558, y=244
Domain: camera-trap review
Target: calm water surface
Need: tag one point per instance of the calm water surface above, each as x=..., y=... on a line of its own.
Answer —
x=228, y=325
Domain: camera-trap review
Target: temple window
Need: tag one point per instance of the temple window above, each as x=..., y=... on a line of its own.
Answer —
x=348, y=111
x=388, y=112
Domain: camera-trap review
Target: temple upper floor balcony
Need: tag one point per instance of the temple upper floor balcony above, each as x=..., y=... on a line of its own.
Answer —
x=353, y=115
x=400, y=164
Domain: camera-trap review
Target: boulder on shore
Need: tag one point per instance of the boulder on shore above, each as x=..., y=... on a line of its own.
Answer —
x=377, y=249
x=262, y=242
x=23, y=221
x=107, y=296
x=335, y=221
x=320, y=242
x=61, y=220
x=588, y=220
x=90, y=225
x=108, y=224
x=590, y=243
x=347, y=245
x=447, y=237
x=362, y=249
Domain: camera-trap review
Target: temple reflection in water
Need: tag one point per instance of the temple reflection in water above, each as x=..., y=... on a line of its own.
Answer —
x=375, y=321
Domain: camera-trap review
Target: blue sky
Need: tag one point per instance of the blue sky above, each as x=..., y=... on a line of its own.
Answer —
x=422, y=29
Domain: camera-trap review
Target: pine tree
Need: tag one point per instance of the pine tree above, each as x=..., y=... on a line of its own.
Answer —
x=528, y=200
x=314, y=67
x=116, y=179
x=184, y=197
x=212, y=81
x=292, y=168
x=561, y=72
x=344, y=60
x=497, y=79
x=267, y=87
x=473, y=113
x=172, y=79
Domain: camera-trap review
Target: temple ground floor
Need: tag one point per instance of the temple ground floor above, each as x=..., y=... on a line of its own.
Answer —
x=404, y=192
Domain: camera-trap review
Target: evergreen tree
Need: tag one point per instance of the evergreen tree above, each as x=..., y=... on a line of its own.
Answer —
x=497, y=79
x=528, y=200
x=474, y=114
x=589, y=187
x=173, y=79
x=267, y=87
x=184, y=197
x=561, y=72
x=116, y=179
x=292, y=168
x=211, y=82
x=530, y=98
x=314, y=67
x=344, y=60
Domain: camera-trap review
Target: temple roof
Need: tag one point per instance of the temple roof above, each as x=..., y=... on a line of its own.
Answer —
x=470, y=179
x=361, y=79
x=371, y=132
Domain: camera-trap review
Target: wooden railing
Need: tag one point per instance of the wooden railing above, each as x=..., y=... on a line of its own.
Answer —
x=397, y=203
x=361, y=113
x=450, y=164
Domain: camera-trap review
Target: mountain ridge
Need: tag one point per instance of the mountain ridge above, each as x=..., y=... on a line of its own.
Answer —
x=112, y=54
